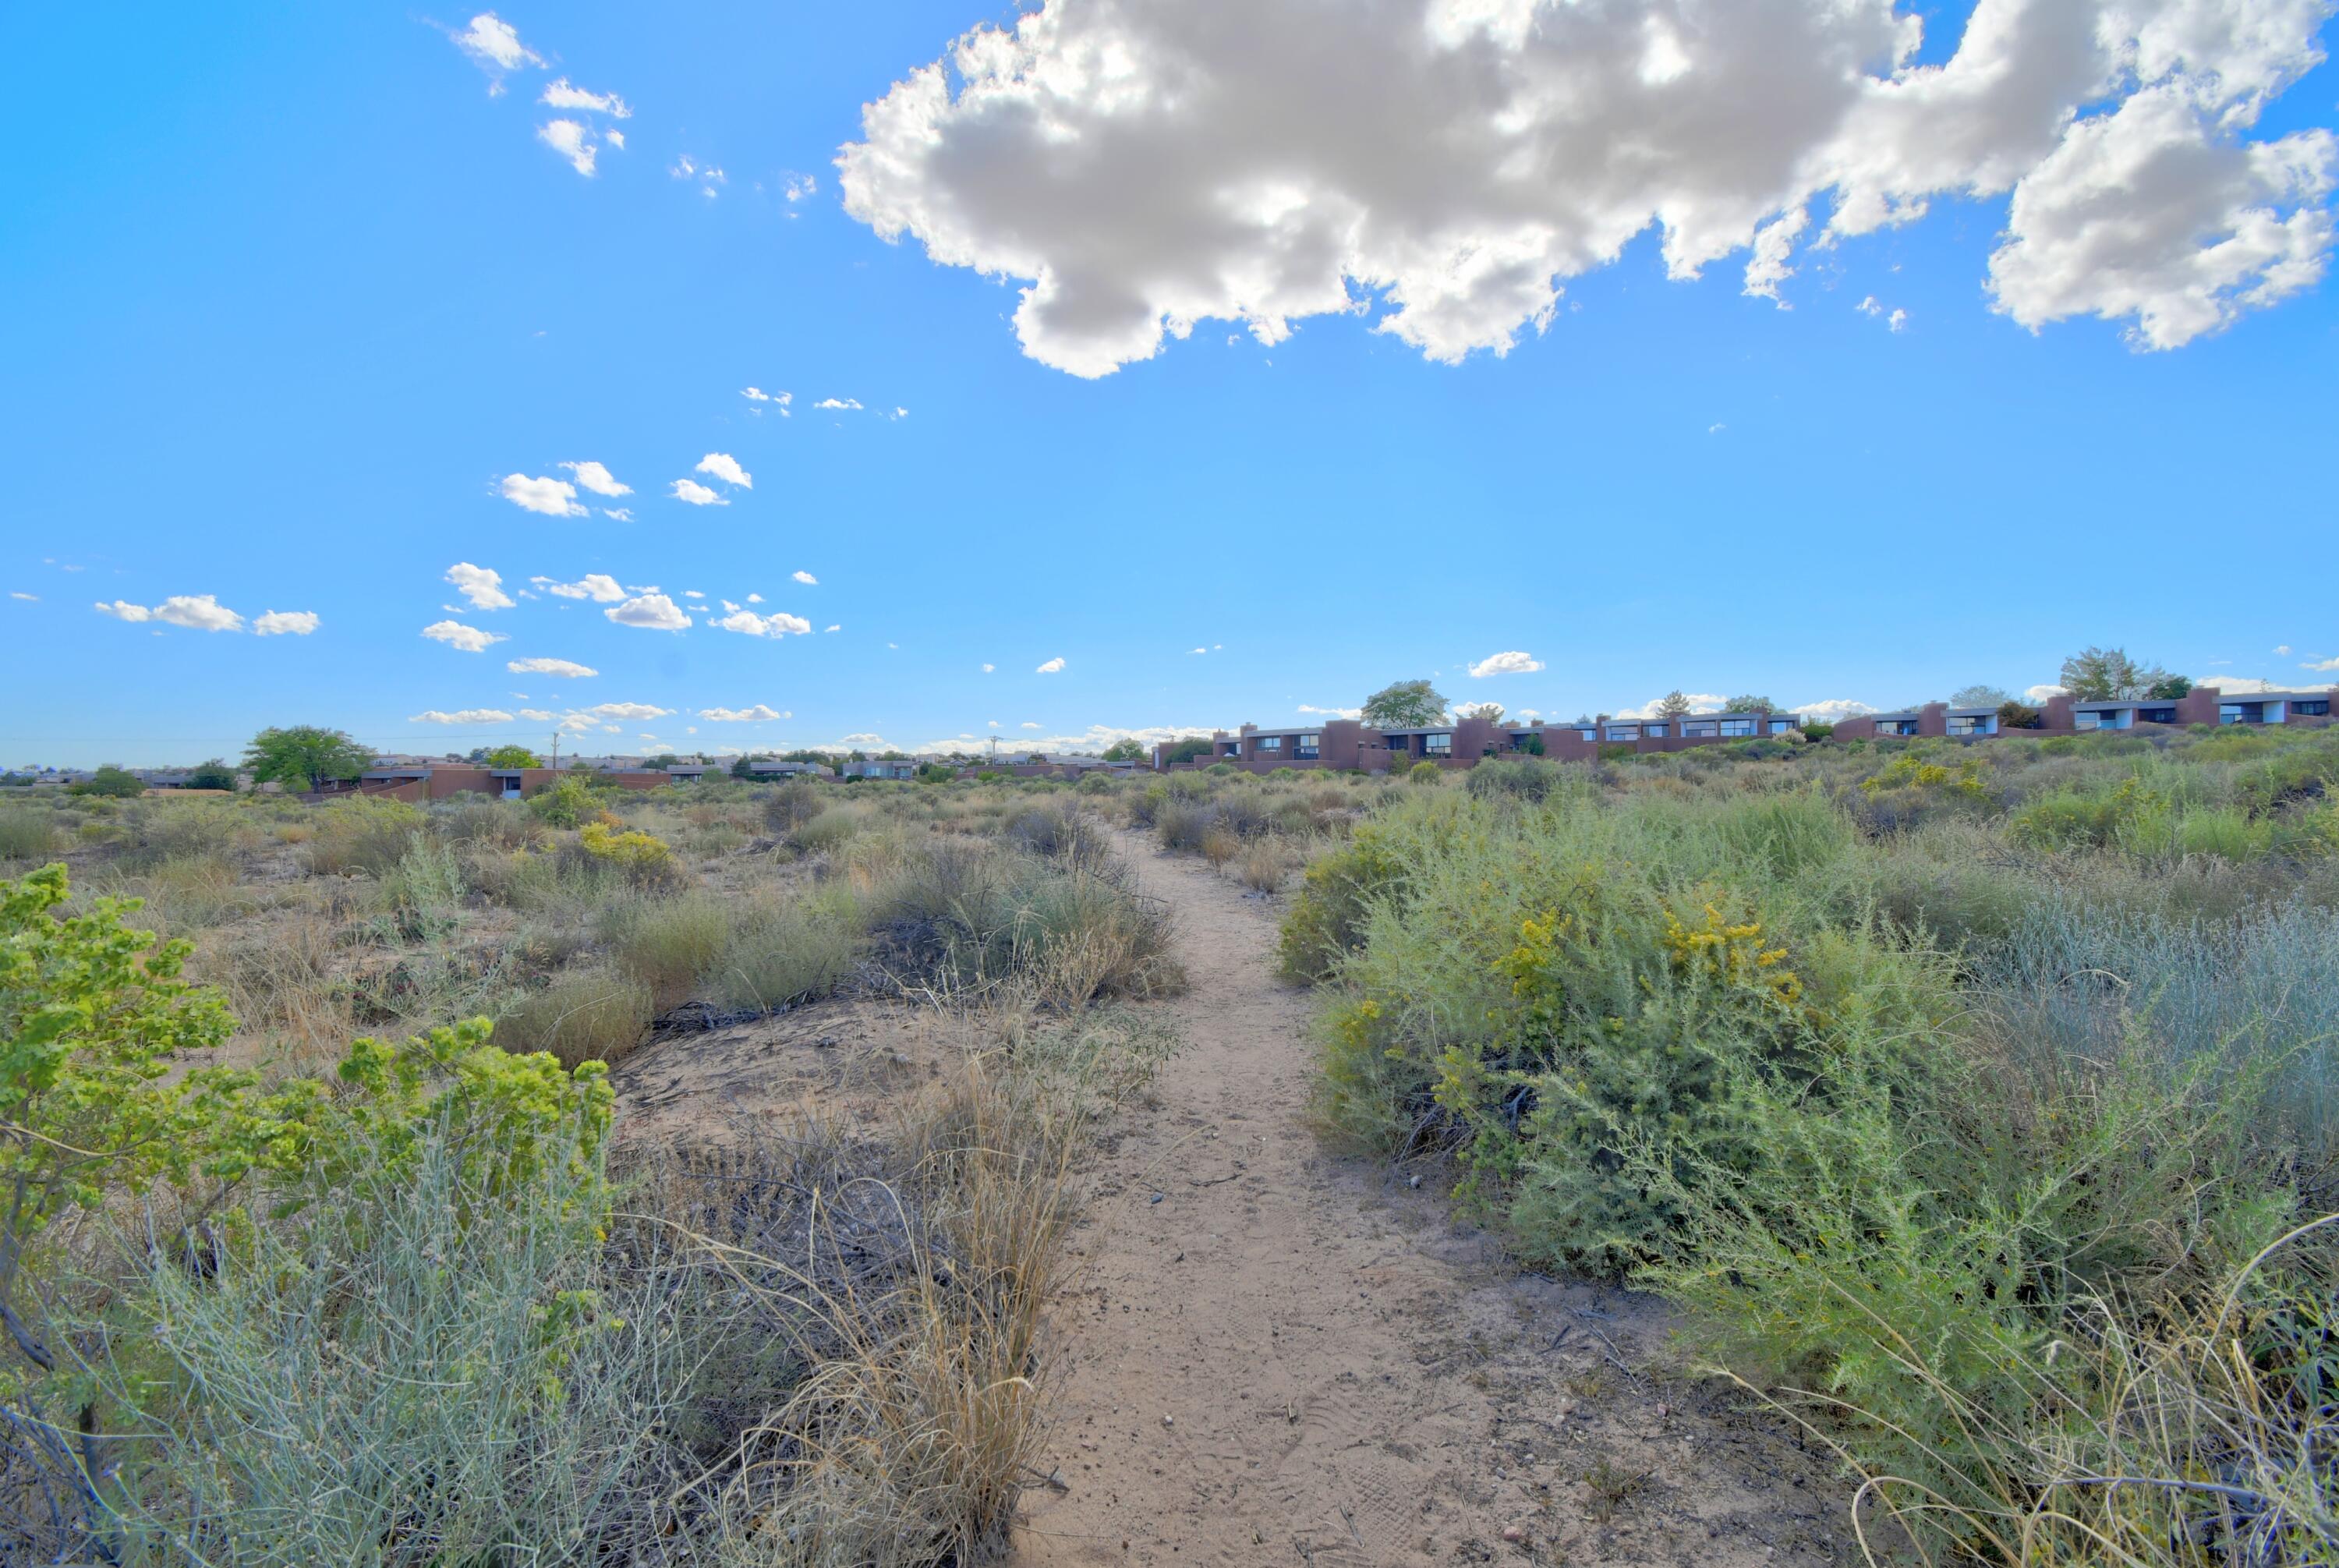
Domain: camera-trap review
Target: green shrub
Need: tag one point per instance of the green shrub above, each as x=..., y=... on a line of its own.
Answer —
x=583, y=1015
x=1527, y=778
x=777, y=958
x=27, y=835
x=1424, y=771
x=793, y=805
x=832, y=827
x=367, y=835
x=666, y=943
x=570, y=801
x=1327, y=917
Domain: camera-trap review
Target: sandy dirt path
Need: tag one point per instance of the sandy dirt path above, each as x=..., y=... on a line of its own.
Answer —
x=1270, y=1354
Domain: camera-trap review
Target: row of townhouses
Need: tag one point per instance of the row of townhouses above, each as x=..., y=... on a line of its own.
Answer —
x=1350, y=744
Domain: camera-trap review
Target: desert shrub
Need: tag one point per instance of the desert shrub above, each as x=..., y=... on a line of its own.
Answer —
x=27, y=835
x=1264, y=866
x=570, y=802
x=368, y=834
x=413, y=1376
x=832, y=827
x=666, y=943
x=1221, y=770
x=1424, y=771
x=1095, y=784
x=1058, y=831
x=1328, y=919
x=1528, y=778
x=499, y=824
x=1181, y=826
x=793, y=805
x=583, y=1015
x=1219, y=846
x=777, y=958
x=642, y=860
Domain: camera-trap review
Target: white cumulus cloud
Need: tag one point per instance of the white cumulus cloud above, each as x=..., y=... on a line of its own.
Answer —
x=553, y=497
x=197, y=612
x=284, y=623
x=566, y=669
x=1145, y=165
x=1051, y=667
x=726, y=468
x=595, y=586
x=482, y=587
x=455, y=634
x=598, y=479
x=849, y=404
x=779, y=624
x=573, y=140
x=696, y=494
x=494, y=46
x=806, y=578
x=759, y=713
x=652, y=611
x=1332, y=712
x=563, y=95
x=638, y=712
x=1506, y=664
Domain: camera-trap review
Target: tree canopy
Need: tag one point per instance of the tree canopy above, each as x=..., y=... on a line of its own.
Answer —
x=214, y=774
x=1672, y=704
x=513, y=758
x=1978, y=695
x=304, y=756
x=1124, y=751
x=1750, y=703
x=109, y=780
x=1405, y=704
x=2108, y=675
x=2168, y=688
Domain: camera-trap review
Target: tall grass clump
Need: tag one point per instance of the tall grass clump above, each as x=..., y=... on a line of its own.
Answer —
x=666, y=943
x=26, y=833
x=585, y=1014
x=798, y=953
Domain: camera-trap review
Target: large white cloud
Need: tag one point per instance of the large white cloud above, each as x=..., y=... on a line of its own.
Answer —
x=565, y=94
x=638, y=711
x=1147, y=164
x=654, y=611
x=481, y=586
x=778, y=624
x=696, y=494
x=598, y=479
x=284, y=623
x=197, y=612
x=598, y=587
x=726, y=468
x=573, y=140
x=455, y=634
x=757, y=713
x=553, y=497
x=565, y=669
x=1509, y=664
x=494, y=45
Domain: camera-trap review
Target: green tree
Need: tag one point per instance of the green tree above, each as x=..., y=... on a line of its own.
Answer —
x=1403, y=705
x=117, y=783
x=743, y=767
x=1980, y=697
x=1672, y=704
x=512, y=757
x=304, y=756
x=1187, y=749
x=2168, y=688
x=1491, y=711
x=2108, y=675
x=213, y=774
x=1124, y=751
x=1747, y=703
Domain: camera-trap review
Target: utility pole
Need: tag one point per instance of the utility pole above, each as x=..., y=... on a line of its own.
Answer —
x=555, y=751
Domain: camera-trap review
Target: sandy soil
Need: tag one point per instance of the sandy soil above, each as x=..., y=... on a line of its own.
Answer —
x=1274, y=1356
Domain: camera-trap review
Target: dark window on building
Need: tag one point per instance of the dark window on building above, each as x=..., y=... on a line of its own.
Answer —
x=2312, y=707
x=1437, y=745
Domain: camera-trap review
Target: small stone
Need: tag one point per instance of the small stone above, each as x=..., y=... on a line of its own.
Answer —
x=1169, y=1421
x=1155, y=1198
x=1514, y=1534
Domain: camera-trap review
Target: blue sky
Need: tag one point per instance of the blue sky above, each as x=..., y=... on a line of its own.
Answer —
x=292, y=293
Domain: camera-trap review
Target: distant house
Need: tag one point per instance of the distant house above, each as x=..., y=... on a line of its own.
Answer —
x=770, y=768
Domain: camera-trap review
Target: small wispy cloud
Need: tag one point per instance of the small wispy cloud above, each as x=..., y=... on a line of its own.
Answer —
x=455, y=634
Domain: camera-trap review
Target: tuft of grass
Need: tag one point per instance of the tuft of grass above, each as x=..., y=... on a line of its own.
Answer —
x=666, y=943
x=778, y=958
x=26, y=833
x=583, y=1015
